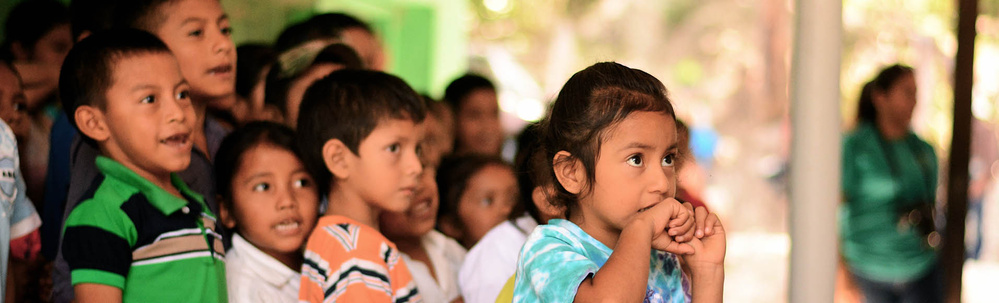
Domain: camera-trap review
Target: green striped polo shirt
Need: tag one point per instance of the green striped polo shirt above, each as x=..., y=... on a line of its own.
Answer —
x=154, y=246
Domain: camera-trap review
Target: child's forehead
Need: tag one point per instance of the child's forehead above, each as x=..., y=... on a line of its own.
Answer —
x=9, y=78
x=644, y=128
x=144, y=68
x=179, y=12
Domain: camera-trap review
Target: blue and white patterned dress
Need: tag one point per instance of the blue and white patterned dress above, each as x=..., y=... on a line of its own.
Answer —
x=559, y=256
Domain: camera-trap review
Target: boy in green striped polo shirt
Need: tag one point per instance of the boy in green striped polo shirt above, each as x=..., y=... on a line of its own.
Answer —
x=140, y=234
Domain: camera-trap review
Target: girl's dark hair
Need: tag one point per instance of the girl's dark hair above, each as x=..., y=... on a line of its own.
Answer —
x=319, y=27
x=29, y=21
x=456, y=92
x=592, y=101
x=526, y=163
x=237, y=143
x=284, y=72
x=452, y=180
x=887, y=78
x=253, y=58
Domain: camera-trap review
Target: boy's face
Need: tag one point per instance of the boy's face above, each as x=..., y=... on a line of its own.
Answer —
x=149, y=115
x=385, y=172
x=198, y=33
x=12, y=101
x=479, y=130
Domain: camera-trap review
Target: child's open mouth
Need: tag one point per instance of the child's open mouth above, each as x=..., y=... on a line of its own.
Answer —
x=176, y=140
x=224, y=69
x=287, y=226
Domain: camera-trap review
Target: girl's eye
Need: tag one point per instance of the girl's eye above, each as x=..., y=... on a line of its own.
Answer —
x=302, y=183
x=261, y=187
x=487, y=201
x=148, y=99
x=227, y=31
x=394, y=148
x=635, y=160
x=184, y=94
x=668, y=160
x=195, y=33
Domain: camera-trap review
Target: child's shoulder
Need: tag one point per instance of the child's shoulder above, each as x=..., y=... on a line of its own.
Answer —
x=339, y=235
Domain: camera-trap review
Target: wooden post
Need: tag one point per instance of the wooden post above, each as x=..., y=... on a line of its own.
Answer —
x=952, y=255
x=815, y=149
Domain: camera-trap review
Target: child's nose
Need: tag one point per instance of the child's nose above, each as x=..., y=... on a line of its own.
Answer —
x=660, y=181
x=287, y=200
x=175, y=109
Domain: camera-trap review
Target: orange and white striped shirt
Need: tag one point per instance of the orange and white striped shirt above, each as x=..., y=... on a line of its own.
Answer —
x=348, y=261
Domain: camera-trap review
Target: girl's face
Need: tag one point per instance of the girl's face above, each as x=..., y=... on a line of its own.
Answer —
x=634, y=171
x=275, y=202
x=12, y=102
x=421, y=216
x=479, y=129
x=896, y=104
x=488, y=199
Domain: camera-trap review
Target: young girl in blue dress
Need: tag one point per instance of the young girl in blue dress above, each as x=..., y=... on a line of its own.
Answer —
x=610, y=145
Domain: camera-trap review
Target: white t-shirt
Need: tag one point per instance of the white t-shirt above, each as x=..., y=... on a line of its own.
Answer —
x=493, y=260
x=254, y=276
x=446, y=255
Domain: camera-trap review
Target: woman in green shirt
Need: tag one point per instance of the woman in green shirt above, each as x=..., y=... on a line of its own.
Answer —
x=889, y=186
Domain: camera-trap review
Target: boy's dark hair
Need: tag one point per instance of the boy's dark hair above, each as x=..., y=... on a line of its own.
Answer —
x=456, y=92
x=141, y=14
x=253, y=58
x=29, y=21
x=347, y=105
x=282, y=74
x=592, y=101
x=91, y=16
x=237, y=143
x=452, y=179
x=526, y=161
x=885, y=80
x=319, y=27
x=88, y=70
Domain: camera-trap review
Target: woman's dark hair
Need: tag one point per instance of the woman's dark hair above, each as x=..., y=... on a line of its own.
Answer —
x=29, y=21
x=460, y=88
x=286, y=71
x=452, y=179
x=243, y=139
x=887, y=78
x=253, y=58
x=592, y=101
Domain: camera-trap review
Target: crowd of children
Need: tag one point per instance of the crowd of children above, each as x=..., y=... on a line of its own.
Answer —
x=182, y=168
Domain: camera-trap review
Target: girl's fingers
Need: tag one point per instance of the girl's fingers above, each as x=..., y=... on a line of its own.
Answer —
x=700, y=214
x=712, y=221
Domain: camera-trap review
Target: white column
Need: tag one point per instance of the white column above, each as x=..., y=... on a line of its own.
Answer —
x=815, y=149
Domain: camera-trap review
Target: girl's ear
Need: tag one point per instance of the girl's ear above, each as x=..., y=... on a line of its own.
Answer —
x=569, y=172
x=335, y=156
x=228, y=218
x=92, y=123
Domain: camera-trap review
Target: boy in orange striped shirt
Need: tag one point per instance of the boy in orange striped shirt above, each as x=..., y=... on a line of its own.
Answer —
x=359, y=133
